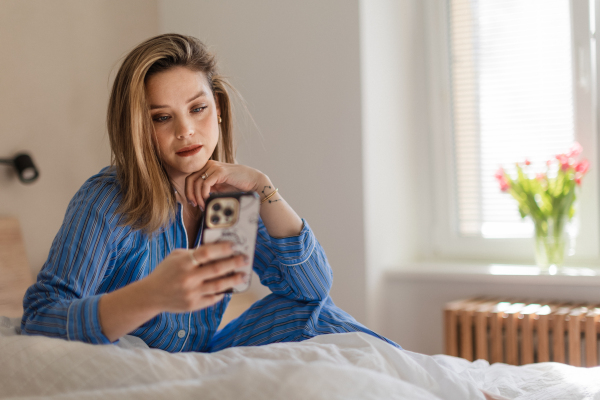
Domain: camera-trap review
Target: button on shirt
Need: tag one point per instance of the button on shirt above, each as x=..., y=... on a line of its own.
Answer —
x=92, y=255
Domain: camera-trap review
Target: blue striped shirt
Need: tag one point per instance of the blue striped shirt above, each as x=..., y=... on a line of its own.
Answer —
x=92, y=255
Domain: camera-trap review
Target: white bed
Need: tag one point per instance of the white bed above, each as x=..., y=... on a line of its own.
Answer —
x=340, y=366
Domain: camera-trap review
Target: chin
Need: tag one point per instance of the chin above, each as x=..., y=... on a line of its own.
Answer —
x=194, y=166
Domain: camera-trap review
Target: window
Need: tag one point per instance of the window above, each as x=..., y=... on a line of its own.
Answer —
x=512, y=97
x=511, y=80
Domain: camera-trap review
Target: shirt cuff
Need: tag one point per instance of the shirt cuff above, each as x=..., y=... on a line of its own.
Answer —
x=83, y=323
x=294, y=250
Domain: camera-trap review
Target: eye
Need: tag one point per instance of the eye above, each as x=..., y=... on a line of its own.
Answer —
x=199, y=109
x=162, y=118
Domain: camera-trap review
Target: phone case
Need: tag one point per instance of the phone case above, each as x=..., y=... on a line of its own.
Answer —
x=242, y=232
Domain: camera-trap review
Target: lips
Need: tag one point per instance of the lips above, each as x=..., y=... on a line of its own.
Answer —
x=189, y=150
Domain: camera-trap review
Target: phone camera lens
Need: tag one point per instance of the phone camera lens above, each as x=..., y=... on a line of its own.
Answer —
x=228, y=212
x=215, y=220
x=216, y=207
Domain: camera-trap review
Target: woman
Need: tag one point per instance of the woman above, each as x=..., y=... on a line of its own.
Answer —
x=127, y=258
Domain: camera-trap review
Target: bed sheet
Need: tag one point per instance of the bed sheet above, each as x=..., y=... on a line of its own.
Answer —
x=337, y=366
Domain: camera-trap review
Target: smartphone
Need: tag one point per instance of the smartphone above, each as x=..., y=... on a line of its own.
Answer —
x=233, y=217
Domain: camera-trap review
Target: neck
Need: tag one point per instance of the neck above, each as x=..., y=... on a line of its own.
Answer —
x=178, y=181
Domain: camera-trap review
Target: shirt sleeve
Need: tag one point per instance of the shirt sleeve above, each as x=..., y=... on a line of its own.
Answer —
x=294, y=267
x=63, y=302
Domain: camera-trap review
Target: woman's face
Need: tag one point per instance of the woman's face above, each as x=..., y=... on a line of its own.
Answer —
x=185, y=117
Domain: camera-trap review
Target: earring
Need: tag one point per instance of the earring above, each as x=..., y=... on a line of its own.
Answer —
x=220, y=120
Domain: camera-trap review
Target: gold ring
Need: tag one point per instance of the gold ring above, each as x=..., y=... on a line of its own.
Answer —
x=204, y=176
x=191, y=253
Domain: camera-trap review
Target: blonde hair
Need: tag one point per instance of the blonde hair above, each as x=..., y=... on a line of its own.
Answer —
x=147, y=197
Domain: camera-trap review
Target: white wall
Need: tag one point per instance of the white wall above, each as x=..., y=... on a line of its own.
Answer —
x=395, y=141
x=297, y=64
x=54, y=85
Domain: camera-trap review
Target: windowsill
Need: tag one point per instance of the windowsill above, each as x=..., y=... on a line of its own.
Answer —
x=494, y=273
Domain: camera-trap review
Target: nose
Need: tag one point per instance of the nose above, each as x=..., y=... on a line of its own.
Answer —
x=185, y=128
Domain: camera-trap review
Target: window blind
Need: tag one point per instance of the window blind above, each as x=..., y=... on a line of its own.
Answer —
x=512, y=93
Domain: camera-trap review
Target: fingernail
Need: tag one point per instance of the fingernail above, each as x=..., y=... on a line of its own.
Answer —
x=190, y=203
x=201, y=208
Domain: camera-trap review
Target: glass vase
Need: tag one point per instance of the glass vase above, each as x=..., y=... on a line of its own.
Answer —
x=554, y=239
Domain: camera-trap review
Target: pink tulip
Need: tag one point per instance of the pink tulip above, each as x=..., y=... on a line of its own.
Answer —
x=563, y=160
x=504, y=186
x=582, y=167
x=575, y=150
x=549, y=163
x=578, y=180
x=527, y=162
x=499, y=173
x=540, y=177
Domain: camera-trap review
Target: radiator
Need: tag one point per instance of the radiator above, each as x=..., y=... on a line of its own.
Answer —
x=518, y=332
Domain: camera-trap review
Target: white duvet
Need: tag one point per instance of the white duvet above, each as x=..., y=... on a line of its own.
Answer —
x=340, y=366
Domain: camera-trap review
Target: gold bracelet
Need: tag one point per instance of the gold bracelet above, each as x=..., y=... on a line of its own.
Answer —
x=269, y=196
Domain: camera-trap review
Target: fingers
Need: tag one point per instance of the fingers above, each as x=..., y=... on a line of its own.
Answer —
x=220, y=285
x=220, y=268
x=191, y=188
x=209, y=182
x=212, y=298
x=194, y=181
x=197, y=190
x=202, y=186
x=211, y=252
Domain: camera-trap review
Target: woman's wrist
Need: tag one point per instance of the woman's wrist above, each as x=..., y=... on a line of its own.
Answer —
x=262, y=182
x=148, y=295
x=126, y=309
x=265, y=189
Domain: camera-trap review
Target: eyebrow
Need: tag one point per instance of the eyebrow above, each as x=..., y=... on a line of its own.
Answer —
x=200, y=94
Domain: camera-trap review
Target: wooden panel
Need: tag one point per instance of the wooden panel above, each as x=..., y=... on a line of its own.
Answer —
x=15, y=275
x=528, y=315
x=527, y=339
x=543, y=338
x=558, y=333
x=512, y=333
x=451, y=326
x=450, y=332
x=496, y=336
x=466, y=315
x=466, y=334
x=575, y=336
x=591, y=337
x=481, y=329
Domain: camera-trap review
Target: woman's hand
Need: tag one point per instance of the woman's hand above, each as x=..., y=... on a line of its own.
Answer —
x=189, y=280
x=223, y=177
x=277, y=216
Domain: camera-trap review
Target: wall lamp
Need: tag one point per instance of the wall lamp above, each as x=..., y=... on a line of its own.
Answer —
x=23, y=163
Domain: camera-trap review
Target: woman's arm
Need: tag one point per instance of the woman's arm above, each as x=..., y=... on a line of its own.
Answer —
x=279, y=218
x=289, y=259
x=277, y=215
x=63, y=301
x=294, y=267
x=178, y=284
x=125, y=309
